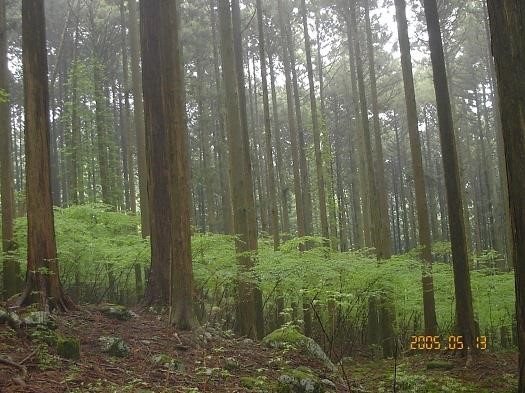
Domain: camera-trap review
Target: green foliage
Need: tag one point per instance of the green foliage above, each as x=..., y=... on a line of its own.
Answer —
x=90, y=240
x=93, y=241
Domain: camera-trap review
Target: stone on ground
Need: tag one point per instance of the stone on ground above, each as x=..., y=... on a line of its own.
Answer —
x=116, y=311
x=289, y=336
x=115, y=346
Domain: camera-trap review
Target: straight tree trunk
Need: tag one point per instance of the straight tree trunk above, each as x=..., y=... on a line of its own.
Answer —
x=222, y=153
x=157, y=157
x=43, y=275
x=384, y=221
x=249, y=191
x=429, y=307
x=374, y=212
x=363, y=238
x=127, y=130
x=325, y=232
x=464, y=307
x=102, y=139
x=241, y=185
x=138, y=113
x=274, y=221
x=181, y=275
x=10, y=267
x=507, y=23
x=281, y=172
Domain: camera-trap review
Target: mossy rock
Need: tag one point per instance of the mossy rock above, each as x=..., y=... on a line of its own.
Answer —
x=440, y=365
x=115, y=346
x=116, y=311
x=260, y=384
x=168, y=362
x=39, y=319
x=289, y=336
x=68, y=347
x=300, y=380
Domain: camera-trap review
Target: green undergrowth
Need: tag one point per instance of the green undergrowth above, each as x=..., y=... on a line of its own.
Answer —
x=95, y=243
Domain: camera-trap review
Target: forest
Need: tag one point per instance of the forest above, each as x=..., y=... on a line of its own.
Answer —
x=287, y=196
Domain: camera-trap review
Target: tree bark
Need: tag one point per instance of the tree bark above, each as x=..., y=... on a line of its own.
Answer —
x=384, y=221
x=507, y=23
x=241, y=185
x=464, y=307
x=156, y=138
x=138, y=113
x=268, y=131
x=11, y=268
x=429, y=306
x=321, y=190
x=43, y=275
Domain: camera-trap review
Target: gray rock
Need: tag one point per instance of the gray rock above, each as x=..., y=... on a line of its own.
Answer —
x=115, y=346
x=300, y=380
x=329, y=384
x=117, y=312
x=289, y=336
x=39, y=318
x=168, y=362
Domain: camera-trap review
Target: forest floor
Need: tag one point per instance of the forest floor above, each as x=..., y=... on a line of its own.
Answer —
x=162, y=360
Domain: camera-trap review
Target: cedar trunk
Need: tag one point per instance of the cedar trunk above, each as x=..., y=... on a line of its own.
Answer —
x=507, y=20
x=429, y=306
x=42, y=263
x=464, y=307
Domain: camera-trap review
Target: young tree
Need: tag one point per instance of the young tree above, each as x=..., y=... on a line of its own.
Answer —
x=429, y=307
x=507, y=23
x=42, y=263
x=10, y=266
x=464, y=308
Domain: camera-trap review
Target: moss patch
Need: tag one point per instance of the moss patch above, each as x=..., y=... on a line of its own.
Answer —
x=68, y=347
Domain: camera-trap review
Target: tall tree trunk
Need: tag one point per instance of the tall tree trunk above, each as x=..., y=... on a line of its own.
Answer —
x=159, y=183
x=363, y=238
x=315, y=128
x=102, y=139
x=281, y=172
x=249, y=191
x=464, y=307
x=246, y=318
x=292, y=126
x=10, y=267
x=126, y=126
x=43, y=275
x=375, y=212
x=384, y=221
x=138, y=112
x=181, y=275
x=429, y=306
x=268, y=131
x=222, y=153
x=507, y=23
